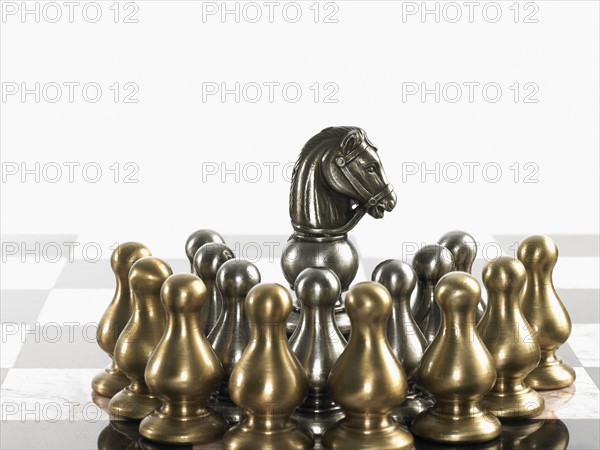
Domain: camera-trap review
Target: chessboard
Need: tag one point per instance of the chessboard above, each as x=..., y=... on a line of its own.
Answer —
x=51, y=306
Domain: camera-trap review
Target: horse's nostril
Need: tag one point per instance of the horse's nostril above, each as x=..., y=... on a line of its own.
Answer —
x=390, y=201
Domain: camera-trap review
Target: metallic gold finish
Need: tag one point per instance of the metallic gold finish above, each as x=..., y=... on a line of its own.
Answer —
x=196, y=240
x=545, y=313
x=367, y=380
x=231, y=334
x=111, y=380
x=268, y=382
x=511, y=342
x=139, y=338
x=404, y=335
x=430, y=263
x=464, y=248
x=317, y=342
x=337, y=179
x=457, y=369
x=183, y=370
x=207, y=261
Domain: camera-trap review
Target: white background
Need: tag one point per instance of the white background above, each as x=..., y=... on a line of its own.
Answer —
x=368, y=54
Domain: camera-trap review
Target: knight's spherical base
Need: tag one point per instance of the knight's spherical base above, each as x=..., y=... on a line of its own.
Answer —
x=130, y=405
x=555, y=375
x=108, y=382
x=292, y=437
x=522, y=404
x=342, y=437
x=435, y=426
x=200, y=429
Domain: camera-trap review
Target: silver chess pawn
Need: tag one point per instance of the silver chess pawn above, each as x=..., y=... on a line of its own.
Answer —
x=464, y=249
x=207, y=261
x=431, y=263
x=404, y=336
x=196, y=240
x=317, y=343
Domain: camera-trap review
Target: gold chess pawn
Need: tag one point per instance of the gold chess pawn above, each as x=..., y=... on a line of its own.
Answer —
x=457, y=369
x=268, y=382
x=511, y=342
x=139, y=338
x=545, y=313
x=367, y=380
x=183, y=370
x=111, y=380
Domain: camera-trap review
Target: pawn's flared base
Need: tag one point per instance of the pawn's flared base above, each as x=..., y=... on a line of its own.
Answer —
x=200, y=429
x=109, y=382
x=131, y=405
x=477, y=427
x=523, y=404
x=292, y=437
x=342, y=437
x=555, y=375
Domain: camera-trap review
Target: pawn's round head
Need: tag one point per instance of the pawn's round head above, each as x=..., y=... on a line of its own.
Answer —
x=537, y=252
x=368, y=303
x=209, y=258
x=432, y=262
x=268, y=304
x=236, y=277
x=125, y=255
x=458, y=292
x=504, y=274
x=398, y=277
x=148, y=274
x=198, y=238
x=183, y=293
x=317, y=286
x=462, y=246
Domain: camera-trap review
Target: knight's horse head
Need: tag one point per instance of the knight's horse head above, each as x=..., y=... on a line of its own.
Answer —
x=337, y=179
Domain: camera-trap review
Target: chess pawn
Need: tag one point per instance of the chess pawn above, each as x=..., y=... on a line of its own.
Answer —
x=464, y=249
x=207, y=261
x=183, y=370
x=545, y=313
x=431, y=263
x=404, y=336
x=508, y=338
x=457, y=369
x=196, y=240
x=317, y=340
x=111, y=380
x=367, y=380
x=139, y=338
x=268, y=382
x=230, y=335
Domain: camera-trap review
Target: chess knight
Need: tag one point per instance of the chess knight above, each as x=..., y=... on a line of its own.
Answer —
x=337, y=179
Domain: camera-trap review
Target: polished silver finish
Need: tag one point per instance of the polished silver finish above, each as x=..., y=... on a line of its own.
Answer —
x=337, y=179
x=230, y=335
x=207, y=261
x=431, y=263
x=332, y=252
x=317, y=341
x=196, y=240
x=464, y=248
x=403, y=333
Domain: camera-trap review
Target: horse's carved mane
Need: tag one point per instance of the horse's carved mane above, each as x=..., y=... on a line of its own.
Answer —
x=315, y=141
